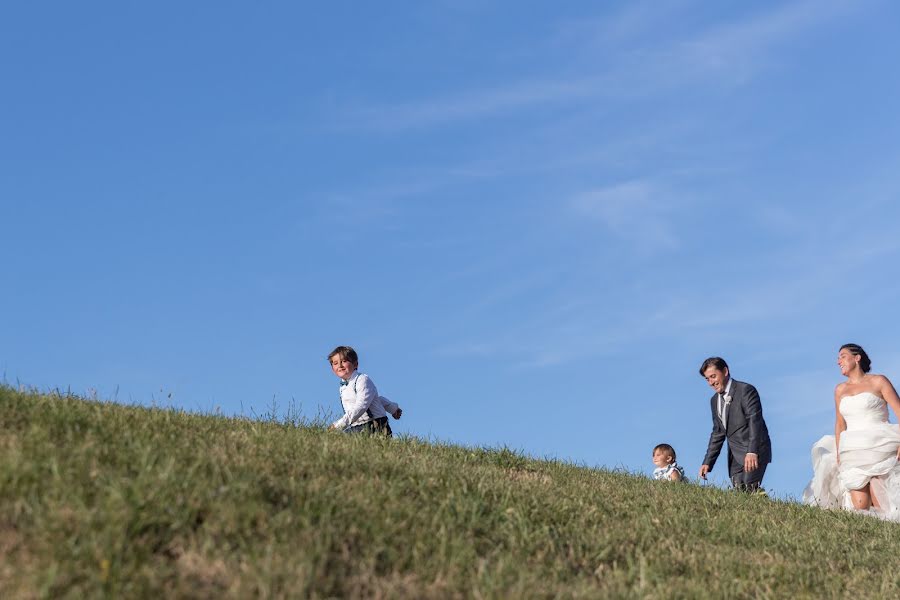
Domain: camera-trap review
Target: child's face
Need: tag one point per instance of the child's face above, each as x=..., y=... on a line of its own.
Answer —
x=662, y=459
x=342, y=367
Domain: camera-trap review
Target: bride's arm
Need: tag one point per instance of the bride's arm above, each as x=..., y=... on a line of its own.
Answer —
x=890, y=396
x=839, y=424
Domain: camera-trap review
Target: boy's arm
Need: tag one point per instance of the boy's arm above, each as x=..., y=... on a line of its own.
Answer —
x=392, y=408
x=365, y=395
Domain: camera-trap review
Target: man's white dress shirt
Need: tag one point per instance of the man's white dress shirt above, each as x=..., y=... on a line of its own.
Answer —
x=723, y=407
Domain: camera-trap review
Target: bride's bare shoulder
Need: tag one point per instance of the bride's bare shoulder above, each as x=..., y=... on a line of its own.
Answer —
x=840, y=390
x=878, y=380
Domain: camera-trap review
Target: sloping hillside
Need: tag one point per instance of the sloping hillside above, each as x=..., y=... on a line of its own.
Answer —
x=99, y=499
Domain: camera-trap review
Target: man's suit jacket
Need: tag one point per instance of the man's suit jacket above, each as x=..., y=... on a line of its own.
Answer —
x=747, y=431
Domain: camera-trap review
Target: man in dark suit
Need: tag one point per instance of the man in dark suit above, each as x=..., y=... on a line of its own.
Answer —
x=737, y=415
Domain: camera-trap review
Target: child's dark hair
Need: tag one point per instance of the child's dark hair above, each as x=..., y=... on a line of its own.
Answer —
x=666, y=449
x=345, y=352
x=864, y=363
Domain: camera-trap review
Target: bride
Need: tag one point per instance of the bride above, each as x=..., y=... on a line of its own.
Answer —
x=857, y=468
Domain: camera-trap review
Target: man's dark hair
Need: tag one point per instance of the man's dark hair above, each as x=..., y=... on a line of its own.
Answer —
x=713, y=361
x=665, y=449
x=346, y=352
x=864, y=363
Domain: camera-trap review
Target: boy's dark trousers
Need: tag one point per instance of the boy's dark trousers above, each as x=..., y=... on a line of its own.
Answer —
x=378, y=426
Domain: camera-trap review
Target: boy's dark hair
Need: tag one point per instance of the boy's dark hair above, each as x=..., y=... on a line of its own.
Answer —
x=713, y=361
x=665, y=448
x=346, y=352
x=864, y=363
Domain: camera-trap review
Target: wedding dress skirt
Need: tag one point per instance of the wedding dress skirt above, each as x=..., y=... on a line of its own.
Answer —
x=868, y=450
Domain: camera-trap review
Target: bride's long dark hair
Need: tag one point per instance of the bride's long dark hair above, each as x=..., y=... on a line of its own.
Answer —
x=864, y=362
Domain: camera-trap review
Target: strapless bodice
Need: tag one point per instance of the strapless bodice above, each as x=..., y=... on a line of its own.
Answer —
x=863, y=410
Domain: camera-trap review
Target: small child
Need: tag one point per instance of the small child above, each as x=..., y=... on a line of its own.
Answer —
x=364, y=410
x=666, y=467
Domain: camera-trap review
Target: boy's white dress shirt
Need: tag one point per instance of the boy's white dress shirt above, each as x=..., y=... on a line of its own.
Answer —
x=360, y=399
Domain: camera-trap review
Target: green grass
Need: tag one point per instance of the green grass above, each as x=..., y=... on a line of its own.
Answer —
x=103, y=500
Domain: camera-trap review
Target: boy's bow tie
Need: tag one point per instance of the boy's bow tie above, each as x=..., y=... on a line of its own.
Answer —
x=343, y=383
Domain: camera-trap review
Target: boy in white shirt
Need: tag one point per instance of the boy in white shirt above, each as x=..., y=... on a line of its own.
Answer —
x=364, y=410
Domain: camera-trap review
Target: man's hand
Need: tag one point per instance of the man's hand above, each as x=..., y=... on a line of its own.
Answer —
x=751, y=462
x=396, y=414
x=704, y=469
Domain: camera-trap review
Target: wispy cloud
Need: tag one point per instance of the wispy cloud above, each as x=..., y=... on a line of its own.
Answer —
x=764, y=31
x=390, y=196
x=473, y=104
x=566, y=320
x=646, y=209
x=808, y=396
x=774, y=293
x=634, y=210
x=630, y=24
x=733, y=51
x=738, y=51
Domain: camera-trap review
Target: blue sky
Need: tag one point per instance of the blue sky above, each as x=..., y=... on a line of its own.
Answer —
x=533, y=221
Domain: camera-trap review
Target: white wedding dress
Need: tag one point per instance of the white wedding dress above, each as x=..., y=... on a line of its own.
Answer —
x=868, y=451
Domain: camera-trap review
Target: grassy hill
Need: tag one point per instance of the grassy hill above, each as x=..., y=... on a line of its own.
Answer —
x=103, y=500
